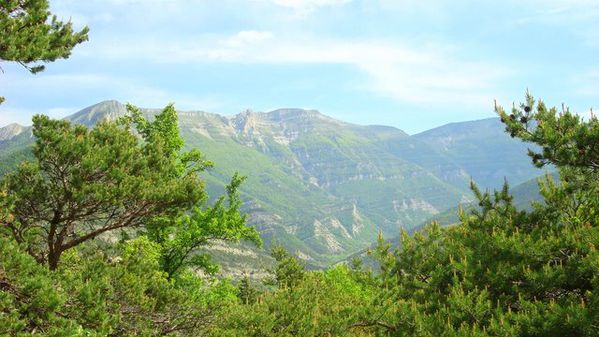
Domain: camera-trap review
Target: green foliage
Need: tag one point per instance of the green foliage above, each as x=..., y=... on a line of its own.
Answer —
x=95, y=295
x=566, y=140
x=182, y=234
x=86, y=182
x=320, y=304
x=503, y=271
x=180, y=238
x=289, y=270
x=28, y=300
x=30, y=34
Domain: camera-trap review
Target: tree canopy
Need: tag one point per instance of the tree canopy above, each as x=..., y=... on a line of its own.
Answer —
x=30, y=34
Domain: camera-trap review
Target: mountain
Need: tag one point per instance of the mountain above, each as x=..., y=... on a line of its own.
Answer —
x=323, y=187
x=318, y=185
x=15, y=141
x=10, y=131
x=483, y=150
x=524, y=195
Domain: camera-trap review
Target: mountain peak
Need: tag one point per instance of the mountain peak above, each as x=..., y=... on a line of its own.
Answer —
x=249, y=121
x=91, y=115
x=10, y=131
x=245, y=121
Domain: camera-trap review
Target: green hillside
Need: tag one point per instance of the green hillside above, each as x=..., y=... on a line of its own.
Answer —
x=483, y=151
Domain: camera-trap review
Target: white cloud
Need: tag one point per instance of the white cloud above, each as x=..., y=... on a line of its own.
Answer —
x=9, y=115
x=422, y=75
x=247, y=37
x=578, y=15
x=436, y=82
x=308, y=5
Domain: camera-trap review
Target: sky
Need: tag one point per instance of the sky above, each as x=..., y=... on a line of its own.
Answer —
x=412, y=64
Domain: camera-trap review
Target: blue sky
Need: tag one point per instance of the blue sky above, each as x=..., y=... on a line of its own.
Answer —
x=406, y=63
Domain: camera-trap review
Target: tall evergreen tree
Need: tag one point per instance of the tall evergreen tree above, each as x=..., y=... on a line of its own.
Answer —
x=246, y=292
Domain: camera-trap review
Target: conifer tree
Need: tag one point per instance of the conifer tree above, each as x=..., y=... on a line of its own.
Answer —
x=503, y=271
x=29, y=34
x=289, y=270
x=86, y=182
x=246, y=292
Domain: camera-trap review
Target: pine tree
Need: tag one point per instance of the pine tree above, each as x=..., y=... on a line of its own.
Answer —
x=29, y=34
x=289, y=270
x=246, y=292
x=503, y=271
x=87, y=182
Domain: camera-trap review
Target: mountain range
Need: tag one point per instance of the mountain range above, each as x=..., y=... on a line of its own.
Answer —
x=322, y=187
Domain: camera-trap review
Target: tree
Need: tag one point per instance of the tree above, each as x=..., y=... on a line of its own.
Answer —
x=565, y=138
x=503, y=271
x=289, y=270
x=87, y=182
x=246, y=292
x=30, y=34
x=322, y=303
x=92, y=295
x=182, y=237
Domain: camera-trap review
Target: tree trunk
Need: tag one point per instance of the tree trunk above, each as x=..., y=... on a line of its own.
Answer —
x=53, y=259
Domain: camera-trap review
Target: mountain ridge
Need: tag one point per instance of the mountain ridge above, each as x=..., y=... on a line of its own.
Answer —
x=320, y=186
x=10, y=131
